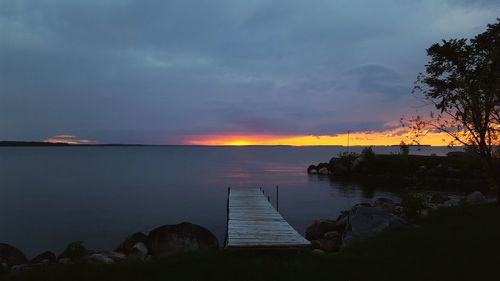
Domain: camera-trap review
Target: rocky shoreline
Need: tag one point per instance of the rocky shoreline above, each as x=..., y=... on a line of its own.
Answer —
x=162, y=241
x=366, y=220
x=461, y=172
x=360, y=222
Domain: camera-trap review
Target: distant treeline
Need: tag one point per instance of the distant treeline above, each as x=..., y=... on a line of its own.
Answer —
x=41, y=143
x=31, y=143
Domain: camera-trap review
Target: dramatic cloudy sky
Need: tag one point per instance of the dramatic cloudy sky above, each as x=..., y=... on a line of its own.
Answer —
x=175, y=71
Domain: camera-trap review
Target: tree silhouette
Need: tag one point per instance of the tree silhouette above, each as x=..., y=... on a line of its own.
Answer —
x=462, y=81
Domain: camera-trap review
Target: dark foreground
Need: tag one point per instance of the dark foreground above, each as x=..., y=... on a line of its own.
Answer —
x=461, y=243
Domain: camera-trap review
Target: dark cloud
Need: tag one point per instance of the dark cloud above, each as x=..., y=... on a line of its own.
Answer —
x=380, y=80
x=154, y=71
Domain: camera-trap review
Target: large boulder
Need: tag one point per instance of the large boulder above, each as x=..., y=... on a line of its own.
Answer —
x=341, y=167
x=320, y=227
x=330, y=242
x=324, y=171
x=312, y=169
x=128, y=244
x=438, y=198
x=384, y=203
x=475, y=197
x=100, y=258
x=365, y=222
x=184, y=237
x=45, y=257
x=139, y=251
x=10, y=255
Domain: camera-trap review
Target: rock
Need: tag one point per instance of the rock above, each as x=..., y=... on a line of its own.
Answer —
x=139, y=251
x=360, y=204
x=323, y=165
x=331, y=242
x=23, y=268
x=127, y=245
x=4, y=268
x=398, y=210
x=317, y=252
x=341, y=168
x=312, y=169
x=384, y=203
x=332, y=162
x=332, y=235
x=357, y=161
x=323, y=171
x=45, y=257
x=319, y=228
x=424, y=213
x=64, y=260
x=329, y=246
x=438, y=198
x=11, y=256
x=475, y=197
x=342, y=221
x=100, y=258
x=451, y=202
x=117, y=256
x=183, y=237
x=365, y=222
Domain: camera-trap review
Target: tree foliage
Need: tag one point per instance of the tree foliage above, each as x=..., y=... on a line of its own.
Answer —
x=462, y=81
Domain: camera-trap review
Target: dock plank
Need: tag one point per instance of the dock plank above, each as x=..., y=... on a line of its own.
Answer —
x=254, y=222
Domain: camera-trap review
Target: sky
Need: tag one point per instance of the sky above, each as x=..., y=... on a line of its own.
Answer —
x=220, y=72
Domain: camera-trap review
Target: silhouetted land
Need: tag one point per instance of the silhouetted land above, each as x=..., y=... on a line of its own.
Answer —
x=41, y=143
x=31, y=143
x=455, y=172
x=458, y=243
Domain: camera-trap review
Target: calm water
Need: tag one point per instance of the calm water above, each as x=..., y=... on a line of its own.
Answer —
x=52, y=196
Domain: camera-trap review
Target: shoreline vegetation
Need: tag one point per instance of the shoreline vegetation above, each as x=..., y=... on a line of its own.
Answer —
x=455, y=172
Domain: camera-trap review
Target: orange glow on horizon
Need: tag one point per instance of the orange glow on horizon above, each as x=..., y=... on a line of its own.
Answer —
x=69, y=139
x=387, y=137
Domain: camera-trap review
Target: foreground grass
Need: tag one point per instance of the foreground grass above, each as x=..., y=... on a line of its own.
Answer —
x=460, y=243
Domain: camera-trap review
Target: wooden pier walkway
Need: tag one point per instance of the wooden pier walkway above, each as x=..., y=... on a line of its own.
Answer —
x=254, y=223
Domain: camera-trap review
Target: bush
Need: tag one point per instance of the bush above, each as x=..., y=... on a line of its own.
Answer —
x=368, y=153
x=75, y=251
x=342, y=166
x=404, y=148
x=413, y=204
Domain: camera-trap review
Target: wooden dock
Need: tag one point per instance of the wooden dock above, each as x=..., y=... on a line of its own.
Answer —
x=254, y=223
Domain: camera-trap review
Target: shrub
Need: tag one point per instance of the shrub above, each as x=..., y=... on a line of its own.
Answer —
x=75, y=251
x=404, y=148
x=413, y=204
x=368, y=153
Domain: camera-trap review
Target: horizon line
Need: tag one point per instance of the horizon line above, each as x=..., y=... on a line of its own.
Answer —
x=44, y=143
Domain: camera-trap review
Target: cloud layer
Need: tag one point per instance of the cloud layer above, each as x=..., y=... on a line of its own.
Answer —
x=161, y=71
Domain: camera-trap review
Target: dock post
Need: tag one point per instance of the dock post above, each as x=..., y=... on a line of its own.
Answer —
x=277, y=196
x=227, y=215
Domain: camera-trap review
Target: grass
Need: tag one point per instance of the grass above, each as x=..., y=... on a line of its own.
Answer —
x=461, y=243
